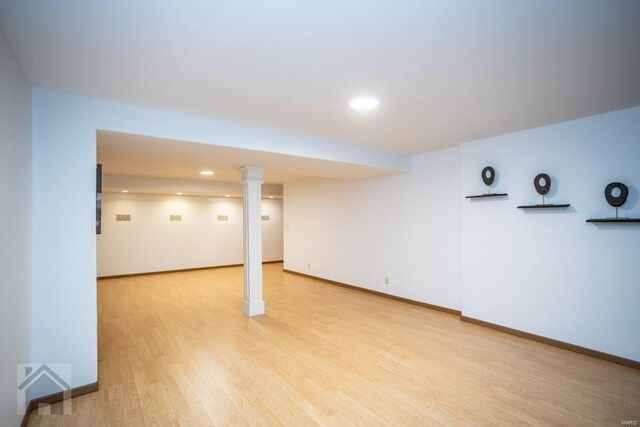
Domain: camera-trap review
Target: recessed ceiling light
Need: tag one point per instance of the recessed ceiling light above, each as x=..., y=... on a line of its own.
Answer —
x=364, y=102
x=179, y=194
x=271, y=197
x=125, y=191
x=207, y=173
x=227, y=195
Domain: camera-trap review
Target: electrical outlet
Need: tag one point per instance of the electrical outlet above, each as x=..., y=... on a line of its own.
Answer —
x=386, y=280
x=308, y=265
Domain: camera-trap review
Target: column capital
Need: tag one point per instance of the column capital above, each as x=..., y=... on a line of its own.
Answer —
x=251, y=172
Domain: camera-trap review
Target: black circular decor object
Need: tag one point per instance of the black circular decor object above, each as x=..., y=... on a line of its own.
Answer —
x=488, y=175
x=542, y=188
x=616, y=201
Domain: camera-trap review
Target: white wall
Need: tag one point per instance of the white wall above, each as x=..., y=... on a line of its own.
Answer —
x=64, y=240
x=15, y=228
x=549, y=272
x=272, y=230
x=150, y=242
x=405, y=227
x=544, y=272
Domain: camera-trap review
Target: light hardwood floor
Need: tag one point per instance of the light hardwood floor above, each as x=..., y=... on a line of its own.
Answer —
x=175, y=349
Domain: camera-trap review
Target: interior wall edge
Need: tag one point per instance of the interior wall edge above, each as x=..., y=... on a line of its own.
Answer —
x=182, y=270
x=381, y=294
x=16, y=245
x=397, y=235
x=57, y=397
x=635, y=364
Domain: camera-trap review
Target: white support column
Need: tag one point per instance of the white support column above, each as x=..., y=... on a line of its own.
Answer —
x=252, y=179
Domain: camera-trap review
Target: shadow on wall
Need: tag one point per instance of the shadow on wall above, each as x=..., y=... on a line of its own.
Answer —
x=496, y=179
x=618, y=227
x=632, y=199
x=490, y=199
x=555, y=186
x=550, y=211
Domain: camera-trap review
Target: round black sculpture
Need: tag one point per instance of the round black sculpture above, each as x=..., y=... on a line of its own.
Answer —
x=488, y=175
x=542, y=188
x=616, y=201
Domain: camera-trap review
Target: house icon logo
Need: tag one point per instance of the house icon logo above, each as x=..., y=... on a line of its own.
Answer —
x=36, y=380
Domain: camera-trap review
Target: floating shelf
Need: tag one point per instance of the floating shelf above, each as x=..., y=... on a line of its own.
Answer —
x=614, y=220
x=479, y=196
x=545, y=206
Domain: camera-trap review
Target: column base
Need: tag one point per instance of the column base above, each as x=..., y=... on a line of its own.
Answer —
x=254, y=307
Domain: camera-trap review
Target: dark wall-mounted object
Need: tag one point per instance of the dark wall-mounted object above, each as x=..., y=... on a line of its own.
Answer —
x=542, y=184
x=99, y=199
x=480, y=196
x=616, y=202
x=488, y=177
x=615, y=220
x=543, y=188
x=544, y=206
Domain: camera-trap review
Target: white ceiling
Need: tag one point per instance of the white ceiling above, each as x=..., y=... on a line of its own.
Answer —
x=137, y=155
x=445, y=71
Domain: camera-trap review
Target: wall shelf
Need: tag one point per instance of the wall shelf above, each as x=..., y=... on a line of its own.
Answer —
x=614, y=220
x=479, y=196
x=544, y=206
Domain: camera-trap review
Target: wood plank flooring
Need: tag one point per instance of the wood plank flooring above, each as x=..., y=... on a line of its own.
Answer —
x=175, y=349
